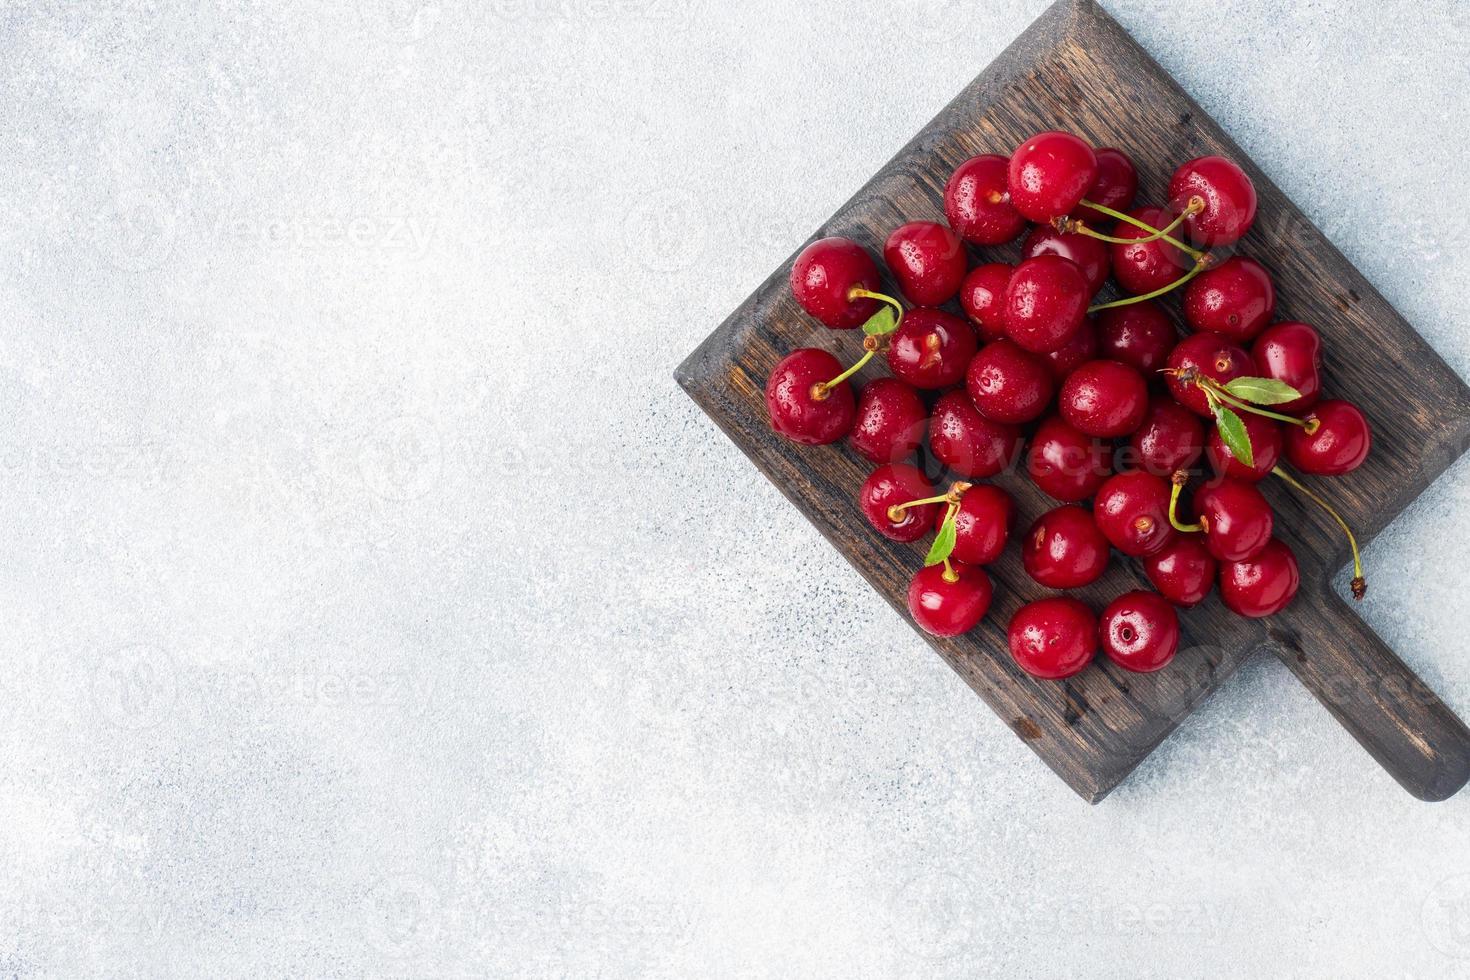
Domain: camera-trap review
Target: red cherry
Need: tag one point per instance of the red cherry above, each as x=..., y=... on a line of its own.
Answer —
x=1049, y=174
x=1009, y=384
x=931, y=348
x=928, y=260
x=1139, y=631
x=1170, y=438
x=1075, y=352
x=1183, y=570
x=1236, y=518
x=823, y=274
x=948, y=602
x=1139, y=334
x=1045, y=303
x=802, y=411
x=1104, y=399
x=889, y=486
x=1234, y=299
x=1263, y=585
x=1053, y=638
x=1265, y=439
x=977, y=202
x=1340, y=444
x=890, y=421
x=1090, y=254
x=1210, y=355
x=1291, y=352
x=1132, y=512
x=1142, y=267
x=980, y=295
x=1226, y=194
x=967, y=442
x=1115, y=186
x=982, y=524
x=1065, y=463
x=1064, y=549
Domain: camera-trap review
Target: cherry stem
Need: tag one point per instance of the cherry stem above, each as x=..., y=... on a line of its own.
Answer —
x=1213, y=389
x=1154, y=233
x=950, y=575
x=858, y=292
x=1179, y=478
x=952, y=497
x=1199, y=267
x=1359, y=584
x=822, y=389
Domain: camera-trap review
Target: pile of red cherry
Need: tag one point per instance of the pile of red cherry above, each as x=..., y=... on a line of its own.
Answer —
x=1031, y=335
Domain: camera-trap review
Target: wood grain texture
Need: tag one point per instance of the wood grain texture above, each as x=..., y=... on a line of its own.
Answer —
x=1076, y=69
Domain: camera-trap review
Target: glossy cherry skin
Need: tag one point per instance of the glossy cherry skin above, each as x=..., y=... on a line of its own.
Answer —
x=1142, y=267
x=1263, y=585
x=981, y=294
x=1132, y=512
x=1075, y=352
x=931, y=348
x=1139, y=334
x=1183, y=570
x=1064, y=549
x=1139, y=631
x=890, y=423
x=1049, y=174
x=1229, y=200
x=893, y=484
x=948, y=608
x=982, y=523
x=1065, y=463
x=1090, y=254
x=1009, y=384
x=823, y=274
x=928, y=260
x=1340, y=444
x=967, y=442
x=1170, y=438
x=1114, y=187
x=1105, y=399
x=1235, y=299
x=1045, y=303
x=977, y=201
x=1053, y=638
x=1265, y=438
x=1291, y=352
x=791, y=398
x=1236, y=518
x=1208, y=354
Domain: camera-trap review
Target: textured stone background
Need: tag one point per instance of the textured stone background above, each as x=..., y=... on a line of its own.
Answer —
x=376, y=604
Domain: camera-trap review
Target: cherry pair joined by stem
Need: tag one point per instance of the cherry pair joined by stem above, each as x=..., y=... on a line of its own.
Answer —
x=836, y=281
x=802, y=406
x=1226, y=200
x=1139, y=631
x=896, y=499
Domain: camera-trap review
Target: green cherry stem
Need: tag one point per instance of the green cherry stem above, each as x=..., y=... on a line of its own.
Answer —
x=950, y=575
x=952, y=497
x=1153, y=232
x=1199, y=267
x=1359, y=584
x=1178, y=480
x=858, y=292
x=822, y=389
x=1213, y=389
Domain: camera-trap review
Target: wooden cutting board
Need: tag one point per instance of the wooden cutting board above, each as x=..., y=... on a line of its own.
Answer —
x=1076, y=69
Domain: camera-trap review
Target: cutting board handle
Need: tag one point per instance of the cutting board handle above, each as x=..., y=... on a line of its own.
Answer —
x=1387, y=708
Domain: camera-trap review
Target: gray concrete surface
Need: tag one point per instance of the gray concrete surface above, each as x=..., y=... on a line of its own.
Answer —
x=376, y=605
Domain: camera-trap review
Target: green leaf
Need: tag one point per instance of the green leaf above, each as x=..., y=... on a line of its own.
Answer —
x=882, y=323
x=1233, y=434
x=944, y=538
x=1262, y=391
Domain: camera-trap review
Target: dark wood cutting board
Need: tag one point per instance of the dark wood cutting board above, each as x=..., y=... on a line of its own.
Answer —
x=1076, y=69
